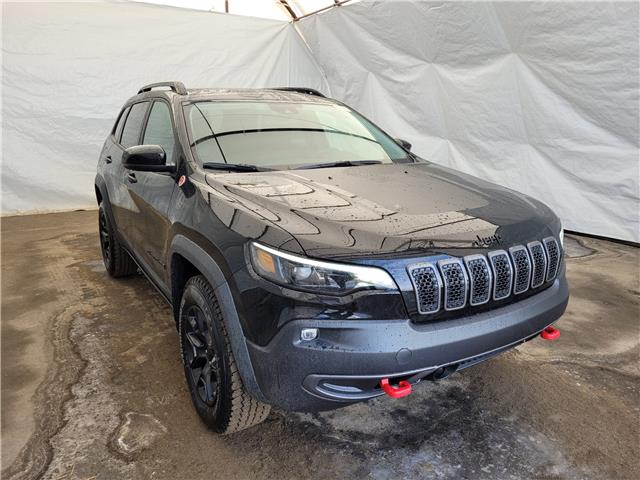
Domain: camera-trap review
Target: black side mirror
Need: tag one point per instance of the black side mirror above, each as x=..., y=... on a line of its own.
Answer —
x=146, y=158
x=406, y=145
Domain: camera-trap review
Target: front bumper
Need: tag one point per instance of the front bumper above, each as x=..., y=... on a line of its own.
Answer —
x=347, y=360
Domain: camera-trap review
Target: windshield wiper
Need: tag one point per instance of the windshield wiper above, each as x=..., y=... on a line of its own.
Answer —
x=281, y=129
x=345, y=163
x=233, y=167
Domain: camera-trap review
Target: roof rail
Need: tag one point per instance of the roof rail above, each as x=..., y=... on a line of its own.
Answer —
x=177, y=87
x=308, y=91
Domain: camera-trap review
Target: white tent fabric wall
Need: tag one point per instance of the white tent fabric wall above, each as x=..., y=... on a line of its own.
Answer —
x=540, y=97
x=68, y=68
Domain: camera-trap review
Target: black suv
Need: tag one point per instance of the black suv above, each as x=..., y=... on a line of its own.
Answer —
x=311, y=260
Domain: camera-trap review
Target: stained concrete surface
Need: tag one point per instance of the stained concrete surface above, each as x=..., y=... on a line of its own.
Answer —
x=92, y=385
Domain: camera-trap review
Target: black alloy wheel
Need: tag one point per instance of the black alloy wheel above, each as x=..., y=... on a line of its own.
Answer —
x=105, y=237
x=201, y=357
x=117, y=260
x=212, y=375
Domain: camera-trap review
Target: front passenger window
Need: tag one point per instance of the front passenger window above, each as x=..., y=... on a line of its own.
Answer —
x=159, y=130
x=133, y=125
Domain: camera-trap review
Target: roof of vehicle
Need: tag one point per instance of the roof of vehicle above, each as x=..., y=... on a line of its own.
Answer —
x=283, y=94
x=254, y=94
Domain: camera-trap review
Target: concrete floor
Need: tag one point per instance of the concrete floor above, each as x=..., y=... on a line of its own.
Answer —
x=92, y=385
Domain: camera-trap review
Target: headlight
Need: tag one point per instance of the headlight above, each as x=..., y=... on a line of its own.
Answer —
x=561, y=235
x=315, y=276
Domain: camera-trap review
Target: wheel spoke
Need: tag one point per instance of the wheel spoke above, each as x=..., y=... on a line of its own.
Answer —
x=191, y=318
x=105, y=242
x=200, y=359
x=195, y=340
x=203, y=328
x=198, y=355
x=208, y=383
x=195, y=374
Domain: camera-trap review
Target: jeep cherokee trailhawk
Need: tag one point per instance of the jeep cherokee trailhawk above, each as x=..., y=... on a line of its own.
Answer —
x=311, y=260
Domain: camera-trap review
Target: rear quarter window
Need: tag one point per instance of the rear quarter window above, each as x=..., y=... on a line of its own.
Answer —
x=118, y=130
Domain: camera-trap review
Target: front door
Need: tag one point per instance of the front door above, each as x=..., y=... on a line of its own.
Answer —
x=152, y=230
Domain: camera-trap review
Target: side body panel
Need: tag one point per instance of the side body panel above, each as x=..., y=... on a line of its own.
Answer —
x=152, y=226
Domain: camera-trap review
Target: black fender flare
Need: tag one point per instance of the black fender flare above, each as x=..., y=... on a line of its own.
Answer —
x=101, y=185
x=200, y=259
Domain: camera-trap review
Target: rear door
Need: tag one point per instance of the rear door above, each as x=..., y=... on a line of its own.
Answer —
x=157, y=189
x=112, y=171
x=126, y=195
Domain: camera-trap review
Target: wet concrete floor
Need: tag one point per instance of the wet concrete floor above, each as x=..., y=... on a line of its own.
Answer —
x=92, y=385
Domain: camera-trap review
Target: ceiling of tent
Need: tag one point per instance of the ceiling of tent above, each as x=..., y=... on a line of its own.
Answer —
x=274, y=9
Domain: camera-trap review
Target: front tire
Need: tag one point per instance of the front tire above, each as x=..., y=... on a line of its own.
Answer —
x=214, y=382
x=116, y=259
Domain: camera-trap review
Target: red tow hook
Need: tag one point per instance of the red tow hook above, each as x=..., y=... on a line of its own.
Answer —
x=402, y=390
x=550, y=333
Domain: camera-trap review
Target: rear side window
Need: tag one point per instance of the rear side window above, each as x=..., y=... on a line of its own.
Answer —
x=121, y=121
x=159, y=129
x=133, y=125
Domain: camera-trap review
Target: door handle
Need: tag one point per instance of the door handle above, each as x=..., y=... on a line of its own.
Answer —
x=108, y=159
x=132, y=177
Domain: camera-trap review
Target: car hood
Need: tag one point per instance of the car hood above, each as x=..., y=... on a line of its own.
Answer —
x=388, y=210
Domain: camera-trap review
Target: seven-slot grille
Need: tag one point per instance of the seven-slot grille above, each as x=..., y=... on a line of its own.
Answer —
x=451, y=283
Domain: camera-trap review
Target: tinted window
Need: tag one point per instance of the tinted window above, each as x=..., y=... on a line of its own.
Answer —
x=121, y=120
x=159, y=129
x=133, y=125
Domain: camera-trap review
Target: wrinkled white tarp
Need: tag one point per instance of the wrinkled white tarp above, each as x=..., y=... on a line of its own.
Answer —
x=68, y=68
x=541, y=97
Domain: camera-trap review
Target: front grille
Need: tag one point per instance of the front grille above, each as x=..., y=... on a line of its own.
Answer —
x=479, y=279
x=427, y=285
x=522, y=267
x=455, y=283
x=553, y=257
x=539, y=263
x=452, y=283
x=502, y=274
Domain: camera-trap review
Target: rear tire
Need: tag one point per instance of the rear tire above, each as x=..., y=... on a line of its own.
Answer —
x=116, y=259
x=214, y=382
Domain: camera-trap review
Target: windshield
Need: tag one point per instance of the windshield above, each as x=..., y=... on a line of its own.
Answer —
x=284, y=135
